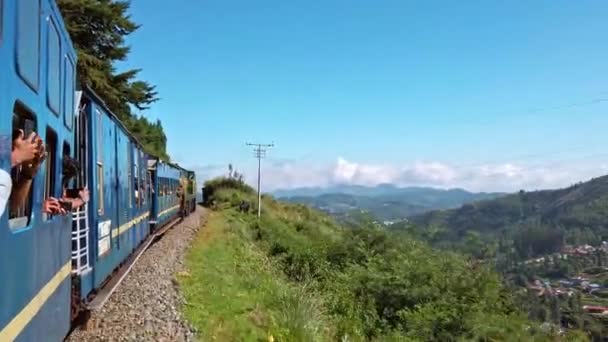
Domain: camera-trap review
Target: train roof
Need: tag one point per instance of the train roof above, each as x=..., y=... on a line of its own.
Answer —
x=87, y=91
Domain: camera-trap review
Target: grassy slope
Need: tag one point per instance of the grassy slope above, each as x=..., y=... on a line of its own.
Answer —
x=295, y=276
x=233, y=294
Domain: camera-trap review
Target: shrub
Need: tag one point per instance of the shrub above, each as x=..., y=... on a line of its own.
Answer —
x=211, y=187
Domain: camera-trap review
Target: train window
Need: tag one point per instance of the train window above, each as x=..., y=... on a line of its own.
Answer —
x=136, y=179
x=100, y=185
x=68, y=93
x=28, y=41
x=20, y=213
x=130, y=175
x=76, y=180
x=53, y=81
x=99, y=137
x=149, y=185
x=50, y=165
x=100, y=178
x=190, y=185
x=142, y=178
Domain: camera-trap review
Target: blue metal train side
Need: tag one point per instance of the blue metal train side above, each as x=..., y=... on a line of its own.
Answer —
x=40, y=255
x=119, y=209
x=37, y=68
x=166, y=206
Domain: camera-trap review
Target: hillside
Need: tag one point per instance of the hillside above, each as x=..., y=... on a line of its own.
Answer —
x=577, y=214
x=297, y=275
x=385, y=202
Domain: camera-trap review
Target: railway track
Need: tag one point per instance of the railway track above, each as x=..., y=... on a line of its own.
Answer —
x=141, y=301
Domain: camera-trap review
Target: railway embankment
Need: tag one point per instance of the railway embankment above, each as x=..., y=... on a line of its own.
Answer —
x=146, y=305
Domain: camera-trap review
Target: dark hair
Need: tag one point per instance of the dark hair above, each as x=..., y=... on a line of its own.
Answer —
x=70, y=169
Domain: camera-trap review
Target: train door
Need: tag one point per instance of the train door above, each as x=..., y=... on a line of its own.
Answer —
x=121, y=211
x=154, y=188
x=80, y=217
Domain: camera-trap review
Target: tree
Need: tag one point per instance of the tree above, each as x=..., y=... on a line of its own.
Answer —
x=98, y=29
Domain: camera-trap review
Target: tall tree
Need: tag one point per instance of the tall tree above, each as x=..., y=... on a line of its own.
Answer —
x=98, y=29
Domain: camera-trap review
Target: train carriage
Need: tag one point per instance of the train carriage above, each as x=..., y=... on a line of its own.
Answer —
x=165, y=179
x=120, y=203
x=37, y=75
x=53, y=266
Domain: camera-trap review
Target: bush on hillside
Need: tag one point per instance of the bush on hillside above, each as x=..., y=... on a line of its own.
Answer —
x=211, y=188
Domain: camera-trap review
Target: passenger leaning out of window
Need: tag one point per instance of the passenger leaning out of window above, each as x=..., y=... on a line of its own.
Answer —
x=71, y=199
x=77, y=197
x=27, y=155
x=23, y=150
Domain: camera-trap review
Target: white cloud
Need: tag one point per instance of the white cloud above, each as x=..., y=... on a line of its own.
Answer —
x=491, y=177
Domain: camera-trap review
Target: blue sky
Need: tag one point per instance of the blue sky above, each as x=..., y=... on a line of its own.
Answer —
x=487, y=95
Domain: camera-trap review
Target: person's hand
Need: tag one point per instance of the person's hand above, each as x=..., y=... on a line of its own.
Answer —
x=51, y=206
x=31, y=169
x=84, y=195
x=24, y=149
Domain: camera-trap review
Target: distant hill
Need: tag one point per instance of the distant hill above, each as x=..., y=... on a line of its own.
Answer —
x=385, y=202
x=580, y=211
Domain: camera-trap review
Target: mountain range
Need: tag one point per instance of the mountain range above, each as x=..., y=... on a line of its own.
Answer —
x=579, y=213
x=386, y=202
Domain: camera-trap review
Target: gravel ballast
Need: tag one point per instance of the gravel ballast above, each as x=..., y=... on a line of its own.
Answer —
x=146, y=305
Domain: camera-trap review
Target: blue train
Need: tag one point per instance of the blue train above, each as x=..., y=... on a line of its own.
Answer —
x=52, y=266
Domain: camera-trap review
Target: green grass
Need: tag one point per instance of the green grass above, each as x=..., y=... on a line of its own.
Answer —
x=233, y=293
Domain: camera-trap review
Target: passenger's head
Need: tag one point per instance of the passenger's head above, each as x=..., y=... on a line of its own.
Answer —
x=70, y=170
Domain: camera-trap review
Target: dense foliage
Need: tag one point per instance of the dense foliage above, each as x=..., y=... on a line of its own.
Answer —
x=530, y=239
x=375, y=284
x=98, y=29
x=538, y=222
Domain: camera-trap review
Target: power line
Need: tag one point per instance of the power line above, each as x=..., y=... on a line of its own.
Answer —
x=259, y=151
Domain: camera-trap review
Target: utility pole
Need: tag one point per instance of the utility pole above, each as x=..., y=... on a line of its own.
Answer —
x=259, y=151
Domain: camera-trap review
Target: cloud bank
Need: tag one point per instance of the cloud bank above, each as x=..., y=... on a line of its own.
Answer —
x=491, y=177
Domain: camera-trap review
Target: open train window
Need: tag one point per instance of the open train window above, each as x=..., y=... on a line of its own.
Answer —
x=190, y=184
x=129, y=175
x=100, y=178
x=68, y=93
x=100, y=184
x=164, y=185
x=99, y=137
x=20, y=211
x=50, y=165
x=28, y=41
x=53, y=77
x=149, y=185
x=136, y=179
x=67, y=151
x=81, y=149
x=142, y=178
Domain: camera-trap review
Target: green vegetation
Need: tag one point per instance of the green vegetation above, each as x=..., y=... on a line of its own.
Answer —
x=537, y=223
x=233, y=295
x=297, y=275
x=525, y=237
x=98, y=29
